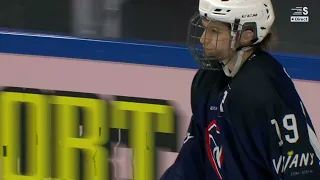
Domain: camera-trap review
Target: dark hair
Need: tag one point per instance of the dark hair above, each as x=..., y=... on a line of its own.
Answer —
x=269, y=41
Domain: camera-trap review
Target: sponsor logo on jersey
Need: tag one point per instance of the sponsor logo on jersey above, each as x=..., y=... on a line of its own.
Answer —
x=188, y=136
x=292, y=160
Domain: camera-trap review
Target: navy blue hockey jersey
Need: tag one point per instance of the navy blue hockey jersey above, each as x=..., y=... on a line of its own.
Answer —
x=250, y=127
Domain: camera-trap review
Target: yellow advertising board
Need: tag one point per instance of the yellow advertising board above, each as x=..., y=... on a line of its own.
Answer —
x=67, y=135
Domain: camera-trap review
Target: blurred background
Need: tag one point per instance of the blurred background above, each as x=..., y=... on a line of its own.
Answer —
x=150, y=20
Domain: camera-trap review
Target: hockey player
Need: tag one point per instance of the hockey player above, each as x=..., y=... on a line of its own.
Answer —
x=248, y=120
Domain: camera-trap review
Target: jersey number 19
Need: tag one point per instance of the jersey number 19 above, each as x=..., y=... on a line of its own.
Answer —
x=289, y=122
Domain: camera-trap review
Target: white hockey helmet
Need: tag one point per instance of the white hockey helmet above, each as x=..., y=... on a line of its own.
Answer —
x=256, y=15
x=241, y=12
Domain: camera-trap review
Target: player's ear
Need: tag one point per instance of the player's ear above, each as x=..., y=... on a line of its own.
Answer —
x=246, y=37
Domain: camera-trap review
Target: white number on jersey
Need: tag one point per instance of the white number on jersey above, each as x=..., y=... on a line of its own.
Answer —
x=289, y=122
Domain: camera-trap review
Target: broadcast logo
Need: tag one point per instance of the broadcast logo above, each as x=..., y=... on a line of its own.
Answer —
x=300, y=14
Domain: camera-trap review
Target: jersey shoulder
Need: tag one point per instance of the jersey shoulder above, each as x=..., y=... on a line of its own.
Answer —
x=255, y=82
x=204, y=82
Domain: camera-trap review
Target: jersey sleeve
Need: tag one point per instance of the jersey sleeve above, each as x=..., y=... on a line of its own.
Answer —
x=189, y=163
x=276, y=136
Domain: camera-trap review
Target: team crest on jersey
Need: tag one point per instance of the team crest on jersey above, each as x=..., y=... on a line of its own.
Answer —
x=214, y=149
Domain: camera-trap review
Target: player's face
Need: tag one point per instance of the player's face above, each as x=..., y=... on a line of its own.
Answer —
x=215, y=38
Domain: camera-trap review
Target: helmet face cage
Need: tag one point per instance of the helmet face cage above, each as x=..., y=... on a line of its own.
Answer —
x=212, y=45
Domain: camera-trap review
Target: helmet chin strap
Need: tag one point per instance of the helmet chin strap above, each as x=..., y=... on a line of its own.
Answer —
x=240, y=51
x=237, y=64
